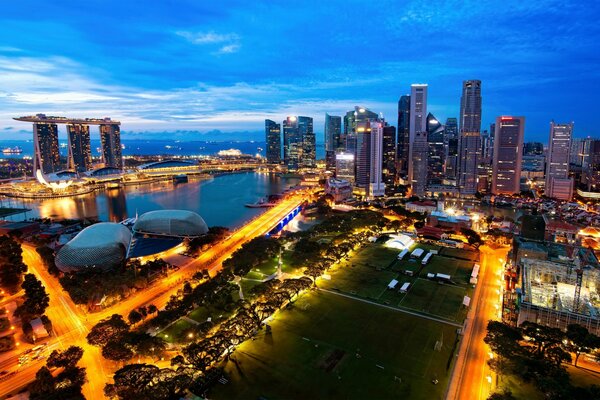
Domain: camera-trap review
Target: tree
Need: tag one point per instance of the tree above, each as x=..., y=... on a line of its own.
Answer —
x=505, y=395
x=314, y=272
x=106, y=330
x=42, y=385
x=543, y=337
x=503, y=339
x=116, y=350
x=581, y=340
x=11, y=264
x=67, y=358
x=152, y=309
x=134, y=317
x=36, y=298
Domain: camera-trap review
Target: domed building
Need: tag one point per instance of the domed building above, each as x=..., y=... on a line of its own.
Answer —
x=172, y=223
x=103, y=245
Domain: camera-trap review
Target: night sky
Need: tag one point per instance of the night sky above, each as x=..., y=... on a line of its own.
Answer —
x=211, y=66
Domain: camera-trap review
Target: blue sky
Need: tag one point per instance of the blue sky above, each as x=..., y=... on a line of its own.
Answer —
x=210, y=67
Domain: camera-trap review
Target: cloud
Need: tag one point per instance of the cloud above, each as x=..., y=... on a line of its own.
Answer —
x=207, y=37
x=228, y=49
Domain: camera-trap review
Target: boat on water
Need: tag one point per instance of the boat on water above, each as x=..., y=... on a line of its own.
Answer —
x=12, y=150
x=260, y=204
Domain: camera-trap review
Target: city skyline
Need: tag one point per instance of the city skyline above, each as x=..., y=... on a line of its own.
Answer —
x=146, y=71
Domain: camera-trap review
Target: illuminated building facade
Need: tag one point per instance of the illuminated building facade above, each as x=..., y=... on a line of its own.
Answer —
x=308, y=157
x=80, y=154
x=451, y=145
x=508, y=154
x=418, y=146
x=437, y=151
x=403, y=134
x=389, y=155
x=558, y=183
x=110, y=138
x=333, y=138
x=273, y=140
x=45, y=142
x=469, y=145
x=344, y=166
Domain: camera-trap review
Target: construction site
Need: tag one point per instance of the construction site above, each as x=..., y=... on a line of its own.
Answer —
x=561, y=289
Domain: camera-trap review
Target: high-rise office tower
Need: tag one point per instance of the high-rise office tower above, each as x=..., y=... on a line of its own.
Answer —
x=403, y=134
x=45, y=143
x=578, y=152
x=591, y=168
x=389, y=156
x=344, y=166
x=273, y=140
x=369, y=157
x=437, y=151
x=110, y=138
x=558, y=183
x=469, y=144
x=508, y=155
x=351, y=121
x=308, y=156
x=333, y=138
x=292, y=143
x=418, y=146
x=533, y=149
x=376, y=185
x=451, y=145
x=80, y=153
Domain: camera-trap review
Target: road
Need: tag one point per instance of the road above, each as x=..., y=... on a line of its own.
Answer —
x=72, y=324
x=472, y=378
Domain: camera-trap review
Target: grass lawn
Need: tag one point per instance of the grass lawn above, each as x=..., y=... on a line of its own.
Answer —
x=469, y=255
x=312, y=354
x=436, y=299
x=176, y=333
x=359, y=280
x=583, y=377
x=459, y=270
x=518, y=388
x=375, y=256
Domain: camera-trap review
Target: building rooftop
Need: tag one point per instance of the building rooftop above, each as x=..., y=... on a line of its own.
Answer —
x=42, y=118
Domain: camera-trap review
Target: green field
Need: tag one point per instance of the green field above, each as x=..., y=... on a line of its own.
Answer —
x=460, y=253
x=329, y=346
x=459, y=270
x=368, y=272
x=440, y=300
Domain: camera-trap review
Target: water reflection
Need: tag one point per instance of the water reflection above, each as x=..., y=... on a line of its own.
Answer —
x=219, y=200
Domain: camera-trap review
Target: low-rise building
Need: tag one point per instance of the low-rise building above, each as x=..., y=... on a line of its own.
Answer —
x=340, y=189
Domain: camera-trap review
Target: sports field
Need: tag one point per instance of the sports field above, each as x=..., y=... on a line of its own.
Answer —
x=329, y=346
x=369, y=271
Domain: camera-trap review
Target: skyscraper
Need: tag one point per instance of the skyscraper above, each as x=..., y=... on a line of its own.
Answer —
x=376, y=185
x=418, y=147
x=299, y=147
x=292, y=143
x=80, y=153
x=273, y=140
x=470, y=138
x=403, y=134
x=508, y=155
x=45, y=143
x=308, y=157
x=389, y=155
x=344, y=166
x=437, y=152
x=333, y=138
x=351, y=121
x=558, y=183
x=451, y=144
x=110, y=137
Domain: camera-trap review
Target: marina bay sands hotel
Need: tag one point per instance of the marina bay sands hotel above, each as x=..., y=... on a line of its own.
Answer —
x=46, y=148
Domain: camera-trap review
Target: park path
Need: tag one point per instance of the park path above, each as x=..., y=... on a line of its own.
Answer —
x=442, y=321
